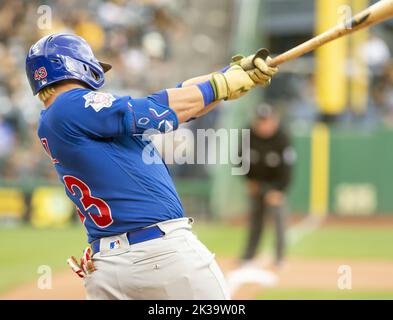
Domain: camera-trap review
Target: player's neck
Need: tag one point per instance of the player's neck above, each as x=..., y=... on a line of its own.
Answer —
x=61, y=89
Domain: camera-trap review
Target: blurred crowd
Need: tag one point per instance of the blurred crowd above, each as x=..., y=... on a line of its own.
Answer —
x=295, y=88
x=136, y=36
x=152, y=44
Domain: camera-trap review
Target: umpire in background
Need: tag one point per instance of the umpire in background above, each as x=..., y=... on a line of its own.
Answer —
x=271, y=160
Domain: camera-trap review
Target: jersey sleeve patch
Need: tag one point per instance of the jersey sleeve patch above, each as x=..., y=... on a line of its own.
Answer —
x=149, y=115
x=98, y=100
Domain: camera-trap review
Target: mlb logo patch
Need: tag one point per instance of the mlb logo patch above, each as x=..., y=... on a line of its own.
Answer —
x=98, y=100
x=114, y=245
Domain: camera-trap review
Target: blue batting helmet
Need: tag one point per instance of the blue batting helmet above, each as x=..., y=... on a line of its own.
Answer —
x=62, y=57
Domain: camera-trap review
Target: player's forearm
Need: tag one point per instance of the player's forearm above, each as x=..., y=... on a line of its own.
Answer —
x=198, y=80
x=194, y=98
x=188, y=102
x=207, y=109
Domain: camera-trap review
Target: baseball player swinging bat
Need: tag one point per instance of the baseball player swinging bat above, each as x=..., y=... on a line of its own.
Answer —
x=141, y=244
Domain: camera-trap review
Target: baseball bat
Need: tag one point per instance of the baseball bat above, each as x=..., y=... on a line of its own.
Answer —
x=377, y=13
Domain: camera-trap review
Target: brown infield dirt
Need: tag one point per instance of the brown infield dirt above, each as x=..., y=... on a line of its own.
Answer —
x=301, y=274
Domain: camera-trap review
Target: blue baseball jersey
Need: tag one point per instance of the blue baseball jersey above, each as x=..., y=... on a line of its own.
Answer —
x=109, y=169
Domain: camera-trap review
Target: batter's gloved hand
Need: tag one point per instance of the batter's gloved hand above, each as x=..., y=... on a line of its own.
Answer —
x=85, y=267
x=257, y=67
x=232, y=84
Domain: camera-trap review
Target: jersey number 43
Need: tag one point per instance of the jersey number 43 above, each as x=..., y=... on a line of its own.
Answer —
x=104, y=218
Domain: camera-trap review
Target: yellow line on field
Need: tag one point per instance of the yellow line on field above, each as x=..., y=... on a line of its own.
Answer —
x=320, y=155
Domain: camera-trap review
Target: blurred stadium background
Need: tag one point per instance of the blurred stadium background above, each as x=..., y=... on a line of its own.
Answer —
x=337, y=105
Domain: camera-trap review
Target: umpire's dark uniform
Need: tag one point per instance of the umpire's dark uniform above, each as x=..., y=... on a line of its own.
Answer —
x=271, y=160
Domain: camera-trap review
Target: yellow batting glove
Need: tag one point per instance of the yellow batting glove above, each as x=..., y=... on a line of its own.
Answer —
x=262, y=74
x=257, y=69
x=232, y=84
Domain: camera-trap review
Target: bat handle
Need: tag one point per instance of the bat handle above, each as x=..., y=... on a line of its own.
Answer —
x=261, y=53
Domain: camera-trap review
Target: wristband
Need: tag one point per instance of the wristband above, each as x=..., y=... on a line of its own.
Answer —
x=207, y=92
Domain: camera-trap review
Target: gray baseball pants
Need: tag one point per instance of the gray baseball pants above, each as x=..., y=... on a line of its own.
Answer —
x=175, y=267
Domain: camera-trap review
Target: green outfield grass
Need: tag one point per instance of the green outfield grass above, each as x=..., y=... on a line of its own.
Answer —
x=324, y=295
x=373, y=243
x=24, y=249
x=328, y=242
